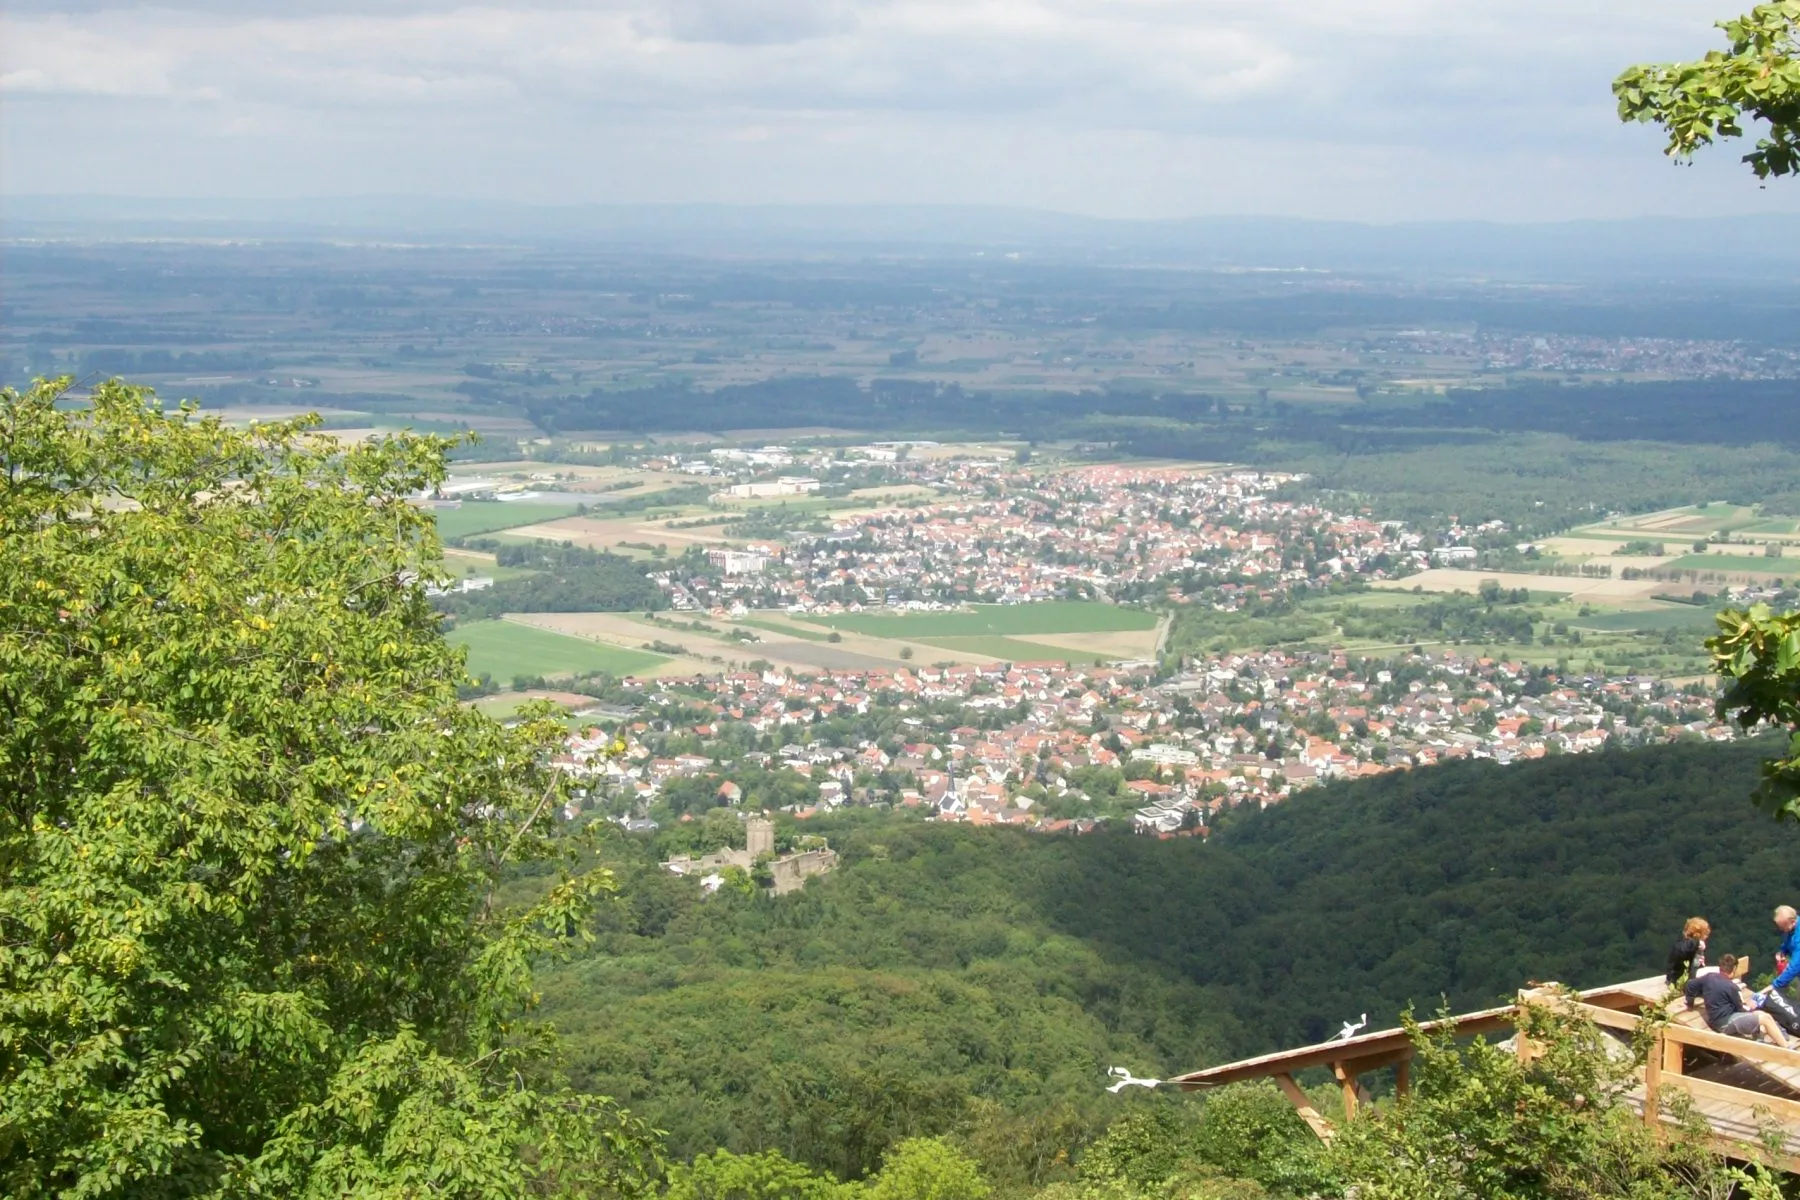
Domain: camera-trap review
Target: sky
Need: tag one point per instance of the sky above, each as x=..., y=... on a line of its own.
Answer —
x=1369, y=110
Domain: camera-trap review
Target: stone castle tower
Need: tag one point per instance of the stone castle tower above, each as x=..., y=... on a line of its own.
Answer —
x=759, y=833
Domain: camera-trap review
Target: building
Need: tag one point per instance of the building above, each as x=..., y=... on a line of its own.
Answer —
x=1165, y=755
x=789, y=872
x=787, y=485
x=739, y=562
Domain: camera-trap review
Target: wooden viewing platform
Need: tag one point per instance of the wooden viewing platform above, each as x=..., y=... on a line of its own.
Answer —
x=1739, y=1088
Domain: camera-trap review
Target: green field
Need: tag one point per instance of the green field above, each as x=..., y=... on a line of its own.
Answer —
x=470, y=562
x=995, y=620
x=1014, y=650
x=505, y=649
x=1654, y=620
x=799, y=631
x=488, y=516
x=1755, y=563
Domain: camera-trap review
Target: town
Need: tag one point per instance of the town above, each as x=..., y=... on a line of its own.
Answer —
x=1008, y=534
x=1052, y=748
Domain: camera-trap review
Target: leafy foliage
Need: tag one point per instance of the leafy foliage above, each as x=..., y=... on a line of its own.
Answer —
x=917, y=1169
x=1758, y=653
x=249, y=840
x=927, y=1169
x=1757, y=79
x=1478, y=1122
x=723, y=1175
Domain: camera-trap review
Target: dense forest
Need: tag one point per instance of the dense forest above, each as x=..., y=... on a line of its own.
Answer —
x=563, y=579
x=1713, y=411
x=946, y=977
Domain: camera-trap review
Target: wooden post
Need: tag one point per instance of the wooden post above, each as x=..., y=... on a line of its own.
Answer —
x=1347, y=1082
x=1403, y=1077
x=1653, y=1065
x=1521, y=1043
x=1303, y=1105
x=1671, y=1056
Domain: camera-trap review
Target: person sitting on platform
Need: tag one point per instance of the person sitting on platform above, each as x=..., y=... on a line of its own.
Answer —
x=1727, y=1009
x=1688, y=954
x=1787, y=959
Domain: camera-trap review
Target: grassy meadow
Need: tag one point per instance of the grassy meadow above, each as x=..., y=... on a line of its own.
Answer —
x=504, y=649
x=491, y=516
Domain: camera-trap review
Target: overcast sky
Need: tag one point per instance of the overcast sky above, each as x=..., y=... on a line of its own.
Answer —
x=1360, y=109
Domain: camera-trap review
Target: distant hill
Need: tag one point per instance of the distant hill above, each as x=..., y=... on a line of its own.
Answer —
x=944, y=964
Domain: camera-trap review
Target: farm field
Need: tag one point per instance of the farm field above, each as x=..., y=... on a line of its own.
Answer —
x=995, y=620
x=492, y=516
x=1013, y=650
x=895, y=493
x=1695, y=617
x=476, y=562
x=505, y=649
x=1109, y=646
x=792, y=629
x=710, y=654
x=505, y=704
x=1694, y=520
x=1750, y=564
x=607, y=533
x=1451, y=579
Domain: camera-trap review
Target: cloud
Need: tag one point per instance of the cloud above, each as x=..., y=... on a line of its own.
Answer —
x=1336, y=81
x=776, y=55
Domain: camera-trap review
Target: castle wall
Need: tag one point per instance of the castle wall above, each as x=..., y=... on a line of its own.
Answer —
x=794, y=870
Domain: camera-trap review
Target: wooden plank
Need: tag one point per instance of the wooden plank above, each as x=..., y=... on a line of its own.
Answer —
x=1303, y=1105
x=1608, y=1018
x=1374, y=1062
x=1653, y=1085
x=1671, y=1056
x=1633, y=993
x=1737, y=1047
x=1347, y=1083
x=1738, y=1102
x=1384, y=1041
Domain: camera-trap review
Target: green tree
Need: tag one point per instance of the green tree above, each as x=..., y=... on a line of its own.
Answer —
x=249, y=841
x=723, y=1175
x=1757, y=653
x=1479, y=1122
x=927, y=1169
x=1252, y=1131
x=1757, y=79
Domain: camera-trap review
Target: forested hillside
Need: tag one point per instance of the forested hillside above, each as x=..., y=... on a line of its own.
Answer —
x=949, y=978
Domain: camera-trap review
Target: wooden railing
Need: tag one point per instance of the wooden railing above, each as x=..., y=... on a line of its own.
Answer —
x=1665, y=1063
x=1741, y=1112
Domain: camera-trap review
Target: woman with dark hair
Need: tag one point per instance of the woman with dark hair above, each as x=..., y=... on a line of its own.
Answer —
x=1688, y=954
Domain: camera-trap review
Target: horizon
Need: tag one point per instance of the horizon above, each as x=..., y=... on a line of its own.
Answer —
x=125, y=202
x=1595, y=250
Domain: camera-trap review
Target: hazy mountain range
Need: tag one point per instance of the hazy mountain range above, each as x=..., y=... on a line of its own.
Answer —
x=1762, y=246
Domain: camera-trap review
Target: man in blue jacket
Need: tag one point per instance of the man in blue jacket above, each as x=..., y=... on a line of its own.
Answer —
x=1788, y=921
